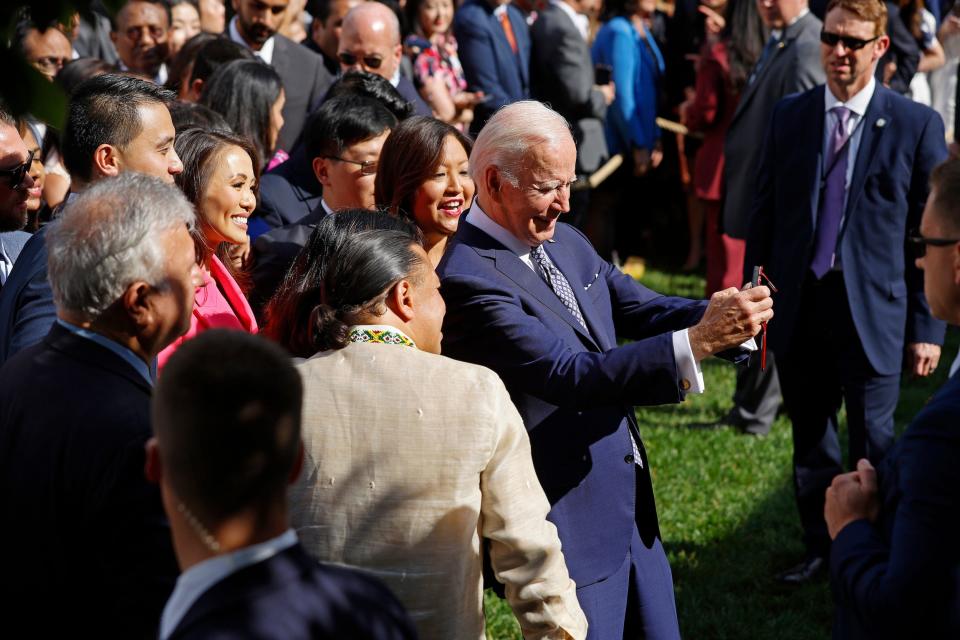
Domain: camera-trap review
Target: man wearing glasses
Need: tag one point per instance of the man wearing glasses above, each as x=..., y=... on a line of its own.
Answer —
x=370, y=41
x=842, y=182
x=895, y=566
x=15, y=183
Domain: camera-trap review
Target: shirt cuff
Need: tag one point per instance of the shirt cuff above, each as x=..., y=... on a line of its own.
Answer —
x=688, y=369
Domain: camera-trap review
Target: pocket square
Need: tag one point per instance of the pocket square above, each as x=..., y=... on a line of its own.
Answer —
x=596, y=276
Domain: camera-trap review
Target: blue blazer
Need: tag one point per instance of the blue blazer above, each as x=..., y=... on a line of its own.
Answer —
x=26, y=300
x=574, y=389
x=292, y=596
x=900, y=577
x=637, y=67
x=488, y=61
x=288, y=193
x=902, y=142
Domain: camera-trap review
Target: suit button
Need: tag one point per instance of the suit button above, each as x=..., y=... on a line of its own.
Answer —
x=628, y=458
x=685, y=384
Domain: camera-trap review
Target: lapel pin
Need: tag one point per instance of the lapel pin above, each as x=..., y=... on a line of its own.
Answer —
x=881, y=123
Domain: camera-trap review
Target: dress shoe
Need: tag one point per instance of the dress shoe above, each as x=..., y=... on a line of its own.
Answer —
x=808, y=570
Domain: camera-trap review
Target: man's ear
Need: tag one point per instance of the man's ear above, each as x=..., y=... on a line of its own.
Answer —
x=493, y=181
x=883, y=43
x=398, y=54
x=153, y=467
x=106, y=161
x=138, y=304
x=320, y=170
x=196, y=88
x=400, y=300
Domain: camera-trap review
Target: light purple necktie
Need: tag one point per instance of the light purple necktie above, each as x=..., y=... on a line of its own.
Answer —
x=831, y=196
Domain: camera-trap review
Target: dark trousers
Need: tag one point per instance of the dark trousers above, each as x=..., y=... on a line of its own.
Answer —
x=824, y=366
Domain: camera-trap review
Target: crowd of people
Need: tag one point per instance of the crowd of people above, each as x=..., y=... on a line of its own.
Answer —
x=294, y=342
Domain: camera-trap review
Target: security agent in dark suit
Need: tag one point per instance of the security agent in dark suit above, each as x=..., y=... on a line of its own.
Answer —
x=562, y=75
x=895, y=563
x=532, y=300
x=790, y=62
x=89, y=540
x=305, y=79
x=226, y=445
x=15, y=183
x=841, y=184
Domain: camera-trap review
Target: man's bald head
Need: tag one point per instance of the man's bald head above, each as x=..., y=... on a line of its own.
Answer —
x=370, y=40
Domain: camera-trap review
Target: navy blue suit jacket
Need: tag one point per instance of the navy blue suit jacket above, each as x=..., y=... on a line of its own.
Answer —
x=488, y=61
x=900, y=577
x=575, y=390
x=409, y=92
x=26, y=300
x=288, y=192
x=85, y=532
x=292, y=596
x=901, y=144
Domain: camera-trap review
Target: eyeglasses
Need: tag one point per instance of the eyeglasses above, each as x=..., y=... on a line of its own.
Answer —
x=849, y=43
x=371, y=62
x=17, y=173
x=367, y=167
x=920, y=243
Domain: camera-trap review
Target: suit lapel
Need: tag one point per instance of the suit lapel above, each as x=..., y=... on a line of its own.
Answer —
x=564, y=261
x=812, y=147
x=872, y=132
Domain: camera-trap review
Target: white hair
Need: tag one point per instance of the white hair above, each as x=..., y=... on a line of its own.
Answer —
x=109, y=237
x=508, y=135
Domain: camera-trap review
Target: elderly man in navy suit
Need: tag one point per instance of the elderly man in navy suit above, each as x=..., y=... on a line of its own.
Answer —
x=245, y=575
x=531, y=299
x=842, y=181
x=895, y=564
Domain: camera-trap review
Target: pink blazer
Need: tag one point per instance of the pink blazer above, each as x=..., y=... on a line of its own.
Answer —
x=219, y=304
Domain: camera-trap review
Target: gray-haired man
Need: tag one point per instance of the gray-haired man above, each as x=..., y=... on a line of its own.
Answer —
x=89, y=537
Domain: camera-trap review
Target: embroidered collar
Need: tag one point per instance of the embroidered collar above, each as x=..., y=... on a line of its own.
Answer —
x=379, y=334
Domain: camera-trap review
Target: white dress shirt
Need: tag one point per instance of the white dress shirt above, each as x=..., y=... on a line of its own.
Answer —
x=687, y=366
x=199, y=578
x=266, y=51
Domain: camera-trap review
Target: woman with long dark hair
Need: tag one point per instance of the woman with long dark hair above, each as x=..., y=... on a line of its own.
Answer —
x=422, y=175
x=725, y=63
x=219, y=177
x=249, y=94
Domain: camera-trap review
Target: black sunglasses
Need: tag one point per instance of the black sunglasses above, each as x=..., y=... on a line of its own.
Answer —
x=367, y=167
x=849, y=43
x=17, y=173
x=920, y=243
x=371, y=62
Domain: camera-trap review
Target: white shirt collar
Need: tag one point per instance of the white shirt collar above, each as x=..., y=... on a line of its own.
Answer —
x=478, y=218
x=395, y=80
x=857, y=104
x=326, y=207
x=580, y=21
x=198, y=579
x=778, y=33
x=266, y=51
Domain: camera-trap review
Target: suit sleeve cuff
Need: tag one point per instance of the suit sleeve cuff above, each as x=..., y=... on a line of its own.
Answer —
x=688, y=369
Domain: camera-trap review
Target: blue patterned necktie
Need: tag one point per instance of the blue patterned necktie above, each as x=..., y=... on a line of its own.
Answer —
x=558, y=283
x=765, y=54
x=832, y=195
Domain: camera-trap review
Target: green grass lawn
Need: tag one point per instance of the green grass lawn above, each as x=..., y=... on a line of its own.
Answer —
x=726, y=510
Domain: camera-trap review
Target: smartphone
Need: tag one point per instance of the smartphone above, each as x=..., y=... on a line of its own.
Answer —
x=603, y=72
x=755, y=279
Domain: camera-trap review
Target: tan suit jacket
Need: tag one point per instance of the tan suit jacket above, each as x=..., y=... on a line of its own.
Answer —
x=410, y=458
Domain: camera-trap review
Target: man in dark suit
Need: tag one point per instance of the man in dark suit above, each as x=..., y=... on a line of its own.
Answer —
x=305, y=79
x=370, y=41
x=244, y=572
x=494, y=48
x=895, y=564
x=841, y=183
x=562, y=75
x=344, y=140
x=15, y=185
x=89, y=533
x=790, y=62
x=532, y=300
x=115, y=124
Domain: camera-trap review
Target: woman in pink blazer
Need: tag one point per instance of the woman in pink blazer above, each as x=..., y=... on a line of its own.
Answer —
x=220, y=178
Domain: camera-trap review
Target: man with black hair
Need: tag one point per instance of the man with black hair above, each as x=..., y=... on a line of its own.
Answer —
x=47, y=50
x=15, y=183
x=343, y=142
x=211, y=57
x=325, y=30
x=115, y=124
x=244, y=572
x=139, y=32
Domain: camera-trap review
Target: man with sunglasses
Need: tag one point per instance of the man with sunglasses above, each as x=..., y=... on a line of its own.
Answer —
x=15, y=183
x=895, y=564
x=370, y=41
x=842, y=180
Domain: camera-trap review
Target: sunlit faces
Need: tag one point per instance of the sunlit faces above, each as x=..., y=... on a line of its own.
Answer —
x=185, y=25
x=259, y=19
x=47, y=51
x=777, y=14
x=141, y=36
x=276, y=119
x=369, y=45
x=151, y=152
x=37, y=171
x=229, y=197
x=327, y=34
x=13, y=201
x=428, y=305
x=531, y=207
x=435, y=16
x=850, y=70
x=213, y=16
x=344, y=184
x=441, y=200
x=941, y=266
